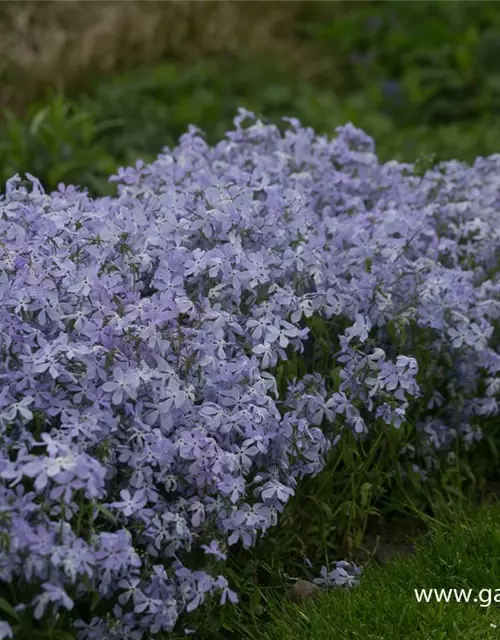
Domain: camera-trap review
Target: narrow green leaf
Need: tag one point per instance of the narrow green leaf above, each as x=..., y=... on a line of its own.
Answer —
x=9, y=609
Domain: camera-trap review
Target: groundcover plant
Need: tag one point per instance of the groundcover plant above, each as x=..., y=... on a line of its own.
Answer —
x=142, y=429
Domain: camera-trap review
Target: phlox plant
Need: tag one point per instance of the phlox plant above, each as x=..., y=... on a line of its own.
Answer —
x=148, y=423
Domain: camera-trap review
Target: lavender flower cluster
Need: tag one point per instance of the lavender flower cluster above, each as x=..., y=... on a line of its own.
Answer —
x=140, y=420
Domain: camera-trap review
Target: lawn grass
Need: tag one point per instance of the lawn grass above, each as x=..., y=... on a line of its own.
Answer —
x=462, y=552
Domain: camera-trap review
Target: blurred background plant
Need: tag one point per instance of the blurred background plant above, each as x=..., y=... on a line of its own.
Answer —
x=425, y=62
x=86, y=87
x=69, y=44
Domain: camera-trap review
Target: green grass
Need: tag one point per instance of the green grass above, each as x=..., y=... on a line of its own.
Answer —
x=461, y=553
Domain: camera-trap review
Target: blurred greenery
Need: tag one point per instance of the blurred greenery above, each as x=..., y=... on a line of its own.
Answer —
x=425, y=62
x=59, y=142
x=423, y=78
x=83, y=140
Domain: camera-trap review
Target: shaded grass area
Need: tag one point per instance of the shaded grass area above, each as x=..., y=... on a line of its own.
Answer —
x=460, y=552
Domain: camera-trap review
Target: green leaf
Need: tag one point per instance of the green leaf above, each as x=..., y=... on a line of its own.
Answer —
x=38, y=120
x=94, y=600
x=62, y=635
x=105, y=512
x=366, y=494
x=255, y=599
x=9, y=609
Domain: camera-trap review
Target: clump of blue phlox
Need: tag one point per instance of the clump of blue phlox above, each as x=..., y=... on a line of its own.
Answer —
x=139, y=415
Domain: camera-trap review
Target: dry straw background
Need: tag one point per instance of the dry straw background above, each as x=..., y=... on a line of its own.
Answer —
x=69, y=43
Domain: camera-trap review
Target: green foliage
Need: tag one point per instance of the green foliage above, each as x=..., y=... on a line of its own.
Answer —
x=135, y=115
x=421, y=62
x=83, y=139
x=157, y=105
x=60, y=141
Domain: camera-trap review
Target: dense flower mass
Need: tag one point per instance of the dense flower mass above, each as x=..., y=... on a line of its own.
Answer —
x=140, y=418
